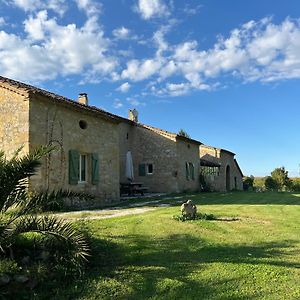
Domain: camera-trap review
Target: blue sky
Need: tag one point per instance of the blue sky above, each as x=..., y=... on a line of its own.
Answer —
x=227, y=72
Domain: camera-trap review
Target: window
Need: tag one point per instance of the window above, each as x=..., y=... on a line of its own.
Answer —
x=83, y=124
x=82, y=168
x=79, y=170
x=189, y=171
x=145, y=169
x=149, y=169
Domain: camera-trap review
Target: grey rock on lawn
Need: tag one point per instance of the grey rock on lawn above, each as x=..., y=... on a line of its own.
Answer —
x=188, y=209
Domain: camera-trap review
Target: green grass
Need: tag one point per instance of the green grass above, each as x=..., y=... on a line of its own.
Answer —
x=153, y=256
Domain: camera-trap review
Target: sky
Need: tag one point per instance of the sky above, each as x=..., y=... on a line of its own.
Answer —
x=227, y=72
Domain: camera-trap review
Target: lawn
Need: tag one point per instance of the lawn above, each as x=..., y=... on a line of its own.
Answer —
x=152, y=256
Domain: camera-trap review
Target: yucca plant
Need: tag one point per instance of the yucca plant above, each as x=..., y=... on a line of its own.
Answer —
x=19, y=213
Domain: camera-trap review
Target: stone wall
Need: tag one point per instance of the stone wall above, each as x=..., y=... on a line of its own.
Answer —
x=58, y=124
x=187, y=153
x=151, y=148
x=14, y=120
x=167, y=155
x=224, y=158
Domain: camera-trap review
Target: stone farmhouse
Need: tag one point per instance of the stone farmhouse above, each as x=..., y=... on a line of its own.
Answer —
x=220, y=169
x=92, y=145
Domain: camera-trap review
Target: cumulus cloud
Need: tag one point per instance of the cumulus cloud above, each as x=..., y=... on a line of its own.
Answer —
x=121, y=33
x=135, y=102
x=2, y=21
x=192, y=10
x=50, y=50
x=118, y=103
x=90, y=7
x=124, y=88
x=140, y=70
x=152, y=8
x=58, y=6
x=257, y=51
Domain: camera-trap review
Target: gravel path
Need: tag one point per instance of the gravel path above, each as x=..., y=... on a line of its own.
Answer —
x=113, y=212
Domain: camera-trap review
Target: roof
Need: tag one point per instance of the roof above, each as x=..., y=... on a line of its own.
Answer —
x=60, y=99
x=238, y=167
x=207, y=163
x=220, y=149
x=171, y=135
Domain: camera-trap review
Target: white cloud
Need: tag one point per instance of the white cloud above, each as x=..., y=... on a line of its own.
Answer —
x=135, y=102
x=121, y=33
x=124, y=88
x=257, y=51
x=141, y=70
x=152, y=8
x=118, y=103
x=58, y=6
x=192, y=10
x=50, y=50
x=90, y=7
x=2, y=21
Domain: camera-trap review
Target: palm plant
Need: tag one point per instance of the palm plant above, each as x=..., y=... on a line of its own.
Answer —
x=19, y=207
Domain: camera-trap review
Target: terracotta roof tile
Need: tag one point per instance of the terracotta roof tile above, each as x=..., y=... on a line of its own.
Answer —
x=58, y=98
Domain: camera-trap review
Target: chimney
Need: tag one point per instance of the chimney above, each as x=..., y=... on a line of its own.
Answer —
x=83, y=98
x=133, y=115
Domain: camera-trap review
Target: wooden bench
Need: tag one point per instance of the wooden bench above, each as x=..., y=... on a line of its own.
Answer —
x=133, y=188
x=141, y=190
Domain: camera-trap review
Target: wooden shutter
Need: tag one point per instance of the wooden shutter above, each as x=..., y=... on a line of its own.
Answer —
x=192, y=168
x=187, y=172
x=142, y=170
x=73, y=167
x=95, y=168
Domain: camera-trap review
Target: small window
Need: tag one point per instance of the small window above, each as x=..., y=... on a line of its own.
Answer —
x=82, y=168
x=150, y=169
x=127, y=136
x=83, y=124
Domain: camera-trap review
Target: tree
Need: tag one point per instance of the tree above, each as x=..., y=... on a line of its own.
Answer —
x=270, y=184
x=183, y=133
x=248, y=183
x=18, y=214
x=280, y=176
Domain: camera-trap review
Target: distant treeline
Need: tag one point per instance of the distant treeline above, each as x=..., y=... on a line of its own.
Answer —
x=277, y=181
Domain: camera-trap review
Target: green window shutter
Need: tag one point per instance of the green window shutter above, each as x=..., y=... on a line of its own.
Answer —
x=192, y=167
x=95, y=168
x=73, y=167
x=187, y=172
x=142, y=170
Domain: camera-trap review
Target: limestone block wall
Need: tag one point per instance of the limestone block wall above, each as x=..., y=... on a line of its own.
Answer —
x=151, y=148
x=14, y=120
x=58, y=125
x=187, y=153
x=239, y=179
x=126, y=141
x=224, y=158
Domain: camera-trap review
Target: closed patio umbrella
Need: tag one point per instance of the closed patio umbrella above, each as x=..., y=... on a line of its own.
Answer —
x=129, y=167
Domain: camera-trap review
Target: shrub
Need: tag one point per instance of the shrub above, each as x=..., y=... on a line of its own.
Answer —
x=23, y=233
x=199, y=216
x=270, y=184
x=248, y=183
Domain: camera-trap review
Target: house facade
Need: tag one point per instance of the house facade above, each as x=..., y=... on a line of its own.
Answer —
x=163, y=161
x=86, y=139
x=92, y=144
x=220, y=169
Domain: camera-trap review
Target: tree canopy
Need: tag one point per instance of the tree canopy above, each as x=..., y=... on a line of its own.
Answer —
x=182, y=132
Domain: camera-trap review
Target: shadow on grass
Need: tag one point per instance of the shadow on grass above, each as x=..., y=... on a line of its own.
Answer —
x=232, y=198
x=142, y=267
